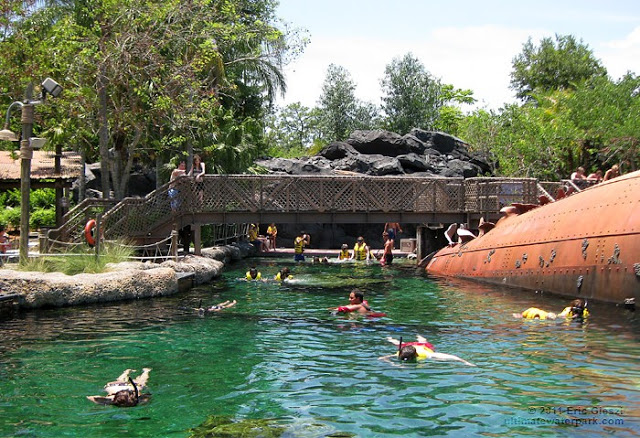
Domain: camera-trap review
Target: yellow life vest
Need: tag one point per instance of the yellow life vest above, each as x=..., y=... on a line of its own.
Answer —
x=278, y=277
x=360, y=251
x=253, y=234
x=566, y=312
x=298, y=245
x=258, y=277
x=344, y=254
x=534, y=313
x=422, y=351
x=271, y=230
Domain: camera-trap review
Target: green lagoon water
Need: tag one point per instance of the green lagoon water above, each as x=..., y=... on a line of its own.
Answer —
x=279, y=354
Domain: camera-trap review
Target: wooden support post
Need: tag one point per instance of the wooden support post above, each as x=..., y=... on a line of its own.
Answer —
x=197, y=239
x=43, y=242
x=98, y=235
x=174, y=244
x=419, y=236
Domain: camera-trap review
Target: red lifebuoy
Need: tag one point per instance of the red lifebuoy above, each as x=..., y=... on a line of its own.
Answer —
x=88, y=232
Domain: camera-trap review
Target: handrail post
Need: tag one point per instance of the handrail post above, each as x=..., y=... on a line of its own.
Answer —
x=98, y=234
x=174, y=244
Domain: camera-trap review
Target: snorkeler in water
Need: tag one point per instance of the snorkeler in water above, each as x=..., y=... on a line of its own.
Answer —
x=420, y=350
x=577, y=310
x=216, y=308
x=125, y=391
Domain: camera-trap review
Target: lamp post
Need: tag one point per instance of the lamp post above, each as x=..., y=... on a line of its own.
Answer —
x=26, y=154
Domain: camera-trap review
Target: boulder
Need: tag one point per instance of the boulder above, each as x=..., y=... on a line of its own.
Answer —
x=439, y=141
x=379, y=142
x=337, y=150
x=414, y=163
x=459, y=168
x=38, y=289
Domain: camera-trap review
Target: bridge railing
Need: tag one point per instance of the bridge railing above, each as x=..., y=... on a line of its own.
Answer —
x=283, y=194
x=489, y=195
x=137, y=217
x=74, y=221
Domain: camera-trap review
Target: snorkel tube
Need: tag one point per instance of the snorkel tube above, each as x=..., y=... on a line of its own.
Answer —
x=135, y=389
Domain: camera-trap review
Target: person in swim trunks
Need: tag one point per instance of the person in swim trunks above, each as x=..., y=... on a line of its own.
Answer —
x=393, y=229
x=387, y=254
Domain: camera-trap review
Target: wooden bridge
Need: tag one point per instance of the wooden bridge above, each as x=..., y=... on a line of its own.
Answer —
x=227, y=199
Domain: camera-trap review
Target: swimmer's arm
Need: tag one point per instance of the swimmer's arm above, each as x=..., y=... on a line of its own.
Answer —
x=444, y=356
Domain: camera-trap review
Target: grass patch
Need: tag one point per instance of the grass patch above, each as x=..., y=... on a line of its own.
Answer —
x=81, y=259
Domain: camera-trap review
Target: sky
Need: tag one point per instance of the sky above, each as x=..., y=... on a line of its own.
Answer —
x=469, y=44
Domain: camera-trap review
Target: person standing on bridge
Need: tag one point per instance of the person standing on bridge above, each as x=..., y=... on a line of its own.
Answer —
x=197, y=171
x=173, y=191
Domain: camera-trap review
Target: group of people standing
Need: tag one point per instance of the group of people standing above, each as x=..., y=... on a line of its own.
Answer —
x=197, y=171
x=361, y=250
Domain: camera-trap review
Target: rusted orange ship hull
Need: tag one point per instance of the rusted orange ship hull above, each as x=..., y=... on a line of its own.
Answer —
x=585, y=245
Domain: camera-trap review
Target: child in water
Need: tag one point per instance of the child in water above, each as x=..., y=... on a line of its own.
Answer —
x=284, y=274
x=253, y=274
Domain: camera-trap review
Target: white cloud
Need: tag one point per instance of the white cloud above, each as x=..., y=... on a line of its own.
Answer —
x=622, y=55
x=476, y=58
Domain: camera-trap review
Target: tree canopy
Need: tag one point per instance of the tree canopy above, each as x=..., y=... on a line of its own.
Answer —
x=553, y=65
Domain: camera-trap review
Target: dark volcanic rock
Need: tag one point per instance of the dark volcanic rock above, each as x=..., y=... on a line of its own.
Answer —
x=439, y=141
x=337, y=150
x=414, y=163
x=378, y=142
x=461, y=168
x=379, y=152
x=415, y=144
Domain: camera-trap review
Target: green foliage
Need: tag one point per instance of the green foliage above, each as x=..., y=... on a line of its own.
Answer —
x=293, y=127
x=82, y=259
x=414, y=99
x=143, y=79
x=558, y=65
x=42, y=217
x=338, y=103
x=10, y=216
x=594, y=125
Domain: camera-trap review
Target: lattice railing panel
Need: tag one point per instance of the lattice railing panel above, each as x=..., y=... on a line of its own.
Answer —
x=295, y=194
x=492, y=194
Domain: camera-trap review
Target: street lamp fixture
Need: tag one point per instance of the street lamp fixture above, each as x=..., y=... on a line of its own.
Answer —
x=27, y=144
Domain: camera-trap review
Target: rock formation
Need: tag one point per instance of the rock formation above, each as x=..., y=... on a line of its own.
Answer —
x=382, y=153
